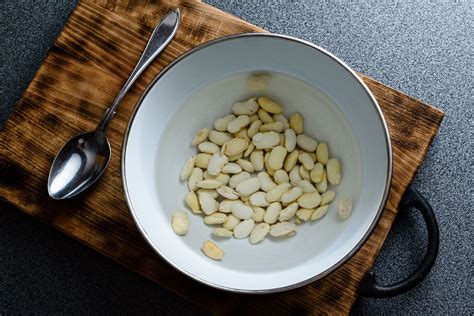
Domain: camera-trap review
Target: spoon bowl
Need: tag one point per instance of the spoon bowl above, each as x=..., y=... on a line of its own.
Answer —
x=80, y=162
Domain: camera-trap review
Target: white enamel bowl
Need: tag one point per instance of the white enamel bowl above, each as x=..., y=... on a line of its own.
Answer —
x=200, y=87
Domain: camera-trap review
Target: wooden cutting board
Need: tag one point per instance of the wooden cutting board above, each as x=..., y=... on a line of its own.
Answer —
x=83, y=72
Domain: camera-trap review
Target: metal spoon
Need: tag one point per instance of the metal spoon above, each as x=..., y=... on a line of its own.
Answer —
x=83, y=159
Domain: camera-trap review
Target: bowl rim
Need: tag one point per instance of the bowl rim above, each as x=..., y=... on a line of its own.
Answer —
x=326, y=272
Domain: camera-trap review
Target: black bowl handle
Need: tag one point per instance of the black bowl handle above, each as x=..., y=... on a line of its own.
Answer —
x=370, y=287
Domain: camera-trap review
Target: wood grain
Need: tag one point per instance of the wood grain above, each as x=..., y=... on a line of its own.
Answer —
x=83, y=72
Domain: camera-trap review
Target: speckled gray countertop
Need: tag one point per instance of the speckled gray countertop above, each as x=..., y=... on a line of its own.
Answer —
x=423, y=48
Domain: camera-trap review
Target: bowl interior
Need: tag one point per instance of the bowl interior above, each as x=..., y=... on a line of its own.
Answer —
x=202, y=87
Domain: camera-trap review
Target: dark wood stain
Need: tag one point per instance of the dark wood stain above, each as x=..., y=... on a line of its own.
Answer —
x=52, y=120
x=48, y=80
x=12, y=175
x=75, y=76
x=144, y=30
x=57, y=57
x=77, y=45
x=85, y=106
x=104, y=38
x=41, y=87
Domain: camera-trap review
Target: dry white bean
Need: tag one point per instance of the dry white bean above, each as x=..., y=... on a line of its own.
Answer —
x=201, y=136
x=222, y=177
x=208, y=148
x=304, y=173
x=219, y=138
x=276, y=193
x=319, y=212
x=266, y=183
x=272, y=213
x=253, y=118
x=256, y=158
x=327, y=197
x=264, y=116
x=306, y=143
x=282, y=140
x=232, y=168
x=209, y=184
x=309, y=200
x=241, y=211
x=222, y=232
x=248, y=107
x=266, y=140
x=258, y=199
x=283, y=119
x=288, y=212
x=235, y=157
x=254, y=127
x=290, y=140
x=209, y=176
x=281, y=176
x=221, y=123
x=269, y=105
x=180, y=222
x=344, y=208
x=317, y=173
x=231, y=222
x=242, y=133
x=202, y=160
x=196, y=176
x=277, y=157
x=243, y=229
x=187, y=168
x=296, y=123
x=211, y=250
x=295, y=175
x=291, y=160
x=305, y=159
x=225, y=206
x=228, y=192
x=291, y=195
x=306, y=186
x=235, y=146
x=258, y=214
x=283, y=229
x=214, y=219
x=246, y=165
x=249, y=149
x=269, y=170
x=273, y=126
x=322, y=153
x=333, y=170
x=249, y=186
x=259, y=233
x=323, y=185
x=215, y=164
x=237, y=178
x=238, y=123
x=212, y=192
x=192, y=202
x=208, y=204
x=304, y=214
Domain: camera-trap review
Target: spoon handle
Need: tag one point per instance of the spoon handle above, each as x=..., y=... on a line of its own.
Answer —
x=159, y=39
